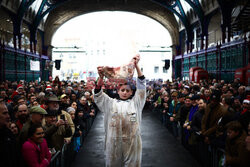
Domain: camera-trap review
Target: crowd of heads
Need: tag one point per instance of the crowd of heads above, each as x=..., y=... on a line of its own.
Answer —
x=43, y=103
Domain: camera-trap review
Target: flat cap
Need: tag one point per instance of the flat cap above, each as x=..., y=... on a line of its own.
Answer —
x=38, y=110
x=53, y=98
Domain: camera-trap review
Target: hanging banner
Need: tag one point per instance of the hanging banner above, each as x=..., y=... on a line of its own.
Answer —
x=34, y=65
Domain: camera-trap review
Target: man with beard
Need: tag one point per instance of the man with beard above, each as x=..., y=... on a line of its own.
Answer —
x=57, y=130
x=22, y=115
x=36, y=117
x=53, y=105
x=213, y=113
x=237, y=104
x=197, y=118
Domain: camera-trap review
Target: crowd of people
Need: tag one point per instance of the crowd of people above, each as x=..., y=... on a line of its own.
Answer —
x=205, y=116
x=38, y=118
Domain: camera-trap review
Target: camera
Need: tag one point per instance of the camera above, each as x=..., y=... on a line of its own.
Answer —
x=62, y=117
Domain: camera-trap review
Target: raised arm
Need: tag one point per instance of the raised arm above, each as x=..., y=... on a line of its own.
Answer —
x=100, y=79
x=137, y=59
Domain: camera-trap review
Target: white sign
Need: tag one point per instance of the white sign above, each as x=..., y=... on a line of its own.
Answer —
x=34, y=65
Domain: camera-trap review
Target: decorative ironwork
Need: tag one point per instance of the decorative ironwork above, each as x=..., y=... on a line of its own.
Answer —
x=45, y=7
x=175, y=6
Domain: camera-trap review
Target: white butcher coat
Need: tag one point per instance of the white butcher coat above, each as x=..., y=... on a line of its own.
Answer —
x=122, y=120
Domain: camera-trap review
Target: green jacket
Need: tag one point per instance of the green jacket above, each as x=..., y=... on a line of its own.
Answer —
x=55, y=135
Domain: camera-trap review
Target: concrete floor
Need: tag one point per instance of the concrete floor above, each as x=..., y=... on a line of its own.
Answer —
x=160, y=148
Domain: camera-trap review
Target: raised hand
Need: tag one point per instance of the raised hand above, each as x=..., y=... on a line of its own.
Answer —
x=136, y=59
x=100, y=71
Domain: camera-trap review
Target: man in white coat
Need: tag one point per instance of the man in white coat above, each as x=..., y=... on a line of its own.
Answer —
x=122, y=121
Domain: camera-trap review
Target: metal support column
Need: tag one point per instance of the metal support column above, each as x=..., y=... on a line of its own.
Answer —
x=25, y=66
x=1, y=63
x=15, y=64
x=217, y=64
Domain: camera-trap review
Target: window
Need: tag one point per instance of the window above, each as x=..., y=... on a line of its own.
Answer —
x=156, y=69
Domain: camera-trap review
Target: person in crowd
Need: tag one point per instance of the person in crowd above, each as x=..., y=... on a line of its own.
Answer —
x=186, y=91
x=214, y=111
x=75, y=91
x=244, y=117
x=83, y=106
x=14, y=129
x=174, y=106
x=164, y=109
x=32, y=99
x=236, y=151
x=36, y=117
x=123, y=143
x=73, y=98
x=242, y=93
x=79, y=121
x=206, y=96
x=9, y=156
x=197, y=118
x=248, y=138
x=19, y=91
x=57, y=82
x=74, y=105
x=4, y=95
x=78, y=129
x=182, y=115
x=35, y=150
x=64, y=102
x=22, y=115
x=187, y=125
x=237, y=104
x=56, y=130
x=53, y=105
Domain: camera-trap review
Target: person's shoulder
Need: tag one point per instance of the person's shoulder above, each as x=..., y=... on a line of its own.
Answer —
x=28, y=145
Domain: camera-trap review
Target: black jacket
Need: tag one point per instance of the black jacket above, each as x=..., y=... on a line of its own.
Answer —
x=9, y=153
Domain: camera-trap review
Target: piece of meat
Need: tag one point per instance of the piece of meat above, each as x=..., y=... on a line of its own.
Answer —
x=122, y=72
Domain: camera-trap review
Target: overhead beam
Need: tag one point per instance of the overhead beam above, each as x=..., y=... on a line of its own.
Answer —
x=175, y=6
x=45, y=7
x=18, y=19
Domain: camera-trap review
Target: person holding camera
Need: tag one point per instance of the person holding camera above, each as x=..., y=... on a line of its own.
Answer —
x=57, y=130
x=53, y=106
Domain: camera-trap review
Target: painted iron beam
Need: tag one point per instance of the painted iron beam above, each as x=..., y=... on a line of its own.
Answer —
x=45, y=7
x=226, y=7
x=204, y=21
x=175, y=6
x=18, y=19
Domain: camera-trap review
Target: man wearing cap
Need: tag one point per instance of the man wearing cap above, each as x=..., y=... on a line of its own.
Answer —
x=64, y=102
x=213, y=112
x=53, y=105
x=18, y=91
x=56, y=130
x=36, y=117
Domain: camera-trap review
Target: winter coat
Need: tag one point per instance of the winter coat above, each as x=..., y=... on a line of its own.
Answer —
x=35, y=156
x=9, y=156
x=56, y=135
x=210, y=119
x=236, y=152
x=182, y=114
